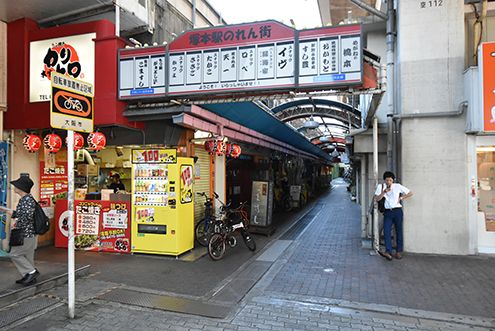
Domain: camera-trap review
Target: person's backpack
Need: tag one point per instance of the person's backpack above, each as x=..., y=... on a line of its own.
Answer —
x=41, y=221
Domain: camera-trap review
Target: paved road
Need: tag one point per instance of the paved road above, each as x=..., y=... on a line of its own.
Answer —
x=323, y=280
x=330, y=263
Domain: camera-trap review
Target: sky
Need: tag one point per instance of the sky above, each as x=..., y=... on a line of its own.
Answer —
x=305, y=13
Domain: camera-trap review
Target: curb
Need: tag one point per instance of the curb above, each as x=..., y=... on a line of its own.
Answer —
x=25, y=292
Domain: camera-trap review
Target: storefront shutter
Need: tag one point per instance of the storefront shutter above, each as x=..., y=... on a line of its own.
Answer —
x=202, y=181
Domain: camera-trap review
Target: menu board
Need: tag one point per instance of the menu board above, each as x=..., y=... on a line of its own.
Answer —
x=53, y=185
x=115, y=232
x=87, y=217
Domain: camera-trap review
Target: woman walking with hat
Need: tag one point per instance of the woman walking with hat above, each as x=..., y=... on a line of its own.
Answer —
x=23, y=256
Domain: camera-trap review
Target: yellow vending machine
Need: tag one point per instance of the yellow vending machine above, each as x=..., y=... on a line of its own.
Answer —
x=162, y=200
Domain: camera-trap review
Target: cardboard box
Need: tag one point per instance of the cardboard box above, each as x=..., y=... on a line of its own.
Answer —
x=87, y=170
x=120, y=197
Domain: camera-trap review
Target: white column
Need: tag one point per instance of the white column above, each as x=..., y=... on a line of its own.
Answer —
x=70, y=251
x=220, y=178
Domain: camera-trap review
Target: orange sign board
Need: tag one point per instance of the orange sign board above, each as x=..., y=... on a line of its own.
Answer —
x=487, y=66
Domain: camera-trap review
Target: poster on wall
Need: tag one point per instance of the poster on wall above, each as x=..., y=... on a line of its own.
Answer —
x=73, y=56
x=53, y=185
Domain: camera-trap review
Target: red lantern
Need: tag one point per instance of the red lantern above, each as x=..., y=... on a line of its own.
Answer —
x=31, y=143
x=97, y=141
x=228, y=149
x=236, y=151
x=210, y=146
x=220, y=147
x=52, y=142
x=78, y=141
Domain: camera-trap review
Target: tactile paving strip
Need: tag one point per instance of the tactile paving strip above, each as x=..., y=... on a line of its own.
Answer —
x=22, y=309
x=164, y=302
x=299, y=227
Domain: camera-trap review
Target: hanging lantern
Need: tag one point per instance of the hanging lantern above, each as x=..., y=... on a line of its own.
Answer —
x=228, y=149
x=220, y=147
x=31, y=143
x=210, y=146
x=52, y=142
x=236, y=151
x=96, y=141
x=78, y=141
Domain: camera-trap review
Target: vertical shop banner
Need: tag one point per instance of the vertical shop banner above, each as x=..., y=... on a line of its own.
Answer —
x=4, y=178
x=186, y=179
x=487, y=76
x=245, y=57
x=142, y=72
x=330, y=56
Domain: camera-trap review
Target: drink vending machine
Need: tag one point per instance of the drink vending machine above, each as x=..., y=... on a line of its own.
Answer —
x=162, y=202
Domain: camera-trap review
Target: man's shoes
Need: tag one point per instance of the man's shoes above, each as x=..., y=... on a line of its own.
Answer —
x=386, y=255
x=31, y=278
x=398, y=255
x=20, y=281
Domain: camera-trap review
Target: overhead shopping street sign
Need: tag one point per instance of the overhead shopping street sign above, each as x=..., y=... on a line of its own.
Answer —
x=244, y=58
x=71, y=106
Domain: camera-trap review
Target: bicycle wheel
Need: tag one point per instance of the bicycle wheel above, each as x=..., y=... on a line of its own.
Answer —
x=201, y=236
x=216, y=247
x=248, y=240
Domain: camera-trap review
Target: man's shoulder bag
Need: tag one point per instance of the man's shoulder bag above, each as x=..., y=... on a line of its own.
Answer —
x=381, y=204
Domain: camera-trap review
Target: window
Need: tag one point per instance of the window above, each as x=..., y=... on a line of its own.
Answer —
x=486, y=184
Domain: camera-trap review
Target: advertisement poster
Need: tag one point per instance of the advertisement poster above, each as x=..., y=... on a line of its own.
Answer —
x=87, y=225
x=4, y=174
x=186, y=173
x=154, y=156
x=100, y=226
x=53, y=185
x=115, y=230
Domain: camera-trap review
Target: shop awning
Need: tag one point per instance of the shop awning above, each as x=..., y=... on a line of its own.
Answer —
x=252, y=116
x=253, y=124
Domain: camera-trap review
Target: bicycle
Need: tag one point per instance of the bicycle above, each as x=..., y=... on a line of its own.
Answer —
x=233, y=221
x=203, y=230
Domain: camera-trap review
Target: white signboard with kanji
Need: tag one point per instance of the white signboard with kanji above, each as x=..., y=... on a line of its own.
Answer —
x=330, y=56
x=244, y=58
x=234, y=58
x=142, y=73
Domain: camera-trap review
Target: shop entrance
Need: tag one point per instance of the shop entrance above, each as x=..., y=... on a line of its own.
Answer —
x=239, y=180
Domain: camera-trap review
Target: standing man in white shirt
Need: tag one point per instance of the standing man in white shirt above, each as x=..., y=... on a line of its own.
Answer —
x=394, y=194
